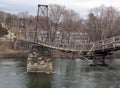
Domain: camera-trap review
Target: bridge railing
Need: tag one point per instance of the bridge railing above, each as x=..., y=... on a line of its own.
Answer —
x=79, y=46
x=107, y=43
x=67, y=46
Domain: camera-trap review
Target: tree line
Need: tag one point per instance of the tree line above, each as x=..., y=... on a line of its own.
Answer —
x=101, y=22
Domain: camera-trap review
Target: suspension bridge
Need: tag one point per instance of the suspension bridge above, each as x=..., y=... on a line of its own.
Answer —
x=88, y=50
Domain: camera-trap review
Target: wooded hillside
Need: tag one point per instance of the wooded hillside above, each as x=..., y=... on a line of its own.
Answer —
x=102, y=22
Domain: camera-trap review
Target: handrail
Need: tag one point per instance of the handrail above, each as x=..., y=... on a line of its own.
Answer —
x=79, y=46
x=91, y=49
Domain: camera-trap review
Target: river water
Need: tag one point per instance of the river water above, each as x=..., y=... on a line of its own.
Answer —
x=68, y=74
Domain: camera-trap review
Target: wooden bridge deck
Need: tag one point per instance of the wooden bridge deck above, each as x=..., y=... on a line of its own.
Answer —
x=106, y=45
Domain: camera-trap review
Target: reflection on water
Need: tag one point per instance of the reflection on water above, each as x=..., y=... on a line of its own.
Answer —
x=75, y=74
x=68, y=74
x=38, y=81
x=12, y=74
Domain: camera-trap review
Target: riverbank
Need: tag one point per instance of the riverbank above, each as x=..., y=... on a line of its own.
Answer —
x=7, y=50
x=13, y=54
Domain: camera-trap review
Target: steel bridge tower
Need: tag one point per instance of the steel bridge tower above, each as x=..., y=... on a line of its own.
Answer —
x=42, y=31
x=22, y=28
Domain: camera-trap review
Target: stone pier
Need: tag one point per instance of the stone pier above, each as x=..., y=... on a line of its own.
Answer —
x=39, y=64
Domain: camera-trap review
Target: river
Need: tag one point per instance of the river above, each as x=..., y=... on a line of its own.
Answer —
x=68, y=74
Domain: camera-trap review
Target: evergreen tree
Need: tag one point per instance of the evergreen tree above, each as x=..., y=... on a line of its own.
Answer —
x=3, y=31
x=8, y=20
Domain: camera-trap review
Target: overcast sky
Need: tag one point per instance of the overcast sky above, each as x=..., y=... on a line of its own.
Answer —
x=81, y=6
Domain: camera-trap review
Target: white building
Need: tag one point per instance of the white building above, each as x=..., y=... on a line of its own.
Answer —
x=73, y=37
x=78, y=37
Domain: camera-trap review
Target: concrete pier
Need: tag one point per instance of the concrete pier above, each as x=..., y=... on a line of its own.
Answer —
x=39, y=64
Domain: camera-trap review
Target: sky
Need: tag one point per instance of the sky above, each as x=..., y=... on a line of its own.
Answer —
x=80, y=6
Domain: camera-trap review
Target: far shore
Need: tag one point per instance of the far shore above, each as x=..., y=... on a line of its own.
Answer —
x=7, y=50
x=10, y=53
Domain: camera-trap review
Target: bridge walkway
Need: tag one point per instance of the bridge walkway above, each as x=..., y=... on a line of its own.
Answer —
x=98, y=47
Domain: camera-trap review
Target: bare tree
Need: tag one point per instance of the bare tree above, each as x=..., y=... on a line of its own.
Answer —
x=56, y=13
x=70, y=22
x=111, y=16
x=55, y=16
x=101, y=22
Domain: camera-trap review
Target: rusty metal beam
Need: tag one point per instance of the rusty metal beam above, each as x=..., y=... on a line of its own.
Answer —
x=41, y=21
